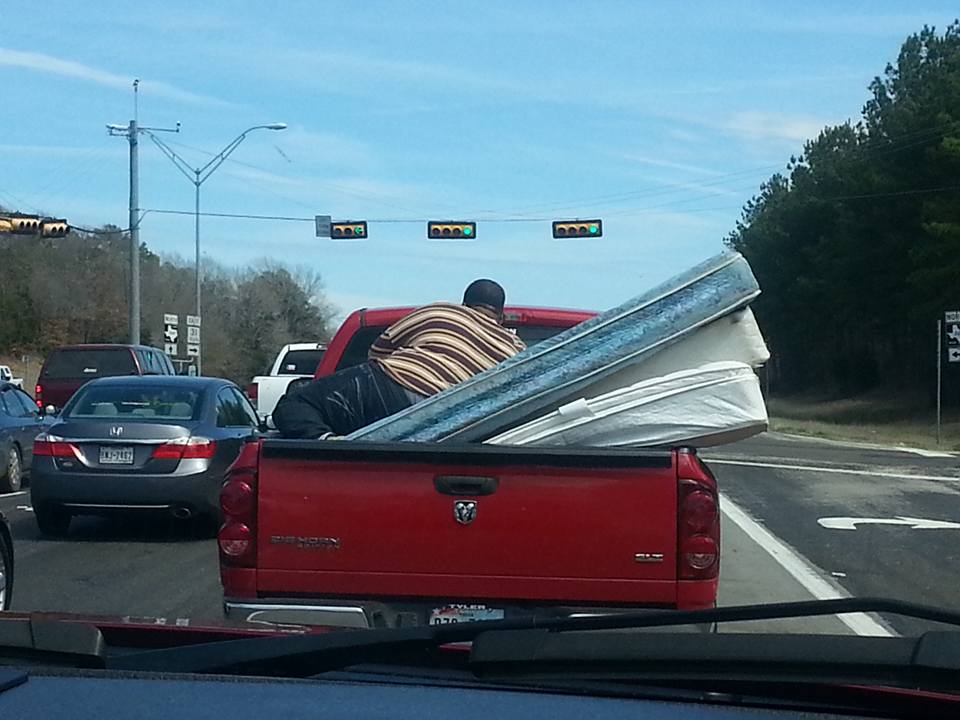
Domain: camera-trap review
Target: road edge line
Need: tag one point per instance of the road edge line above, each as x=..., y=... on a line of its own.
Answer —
x=801, y=569
x=922, y=452
x=829, y=470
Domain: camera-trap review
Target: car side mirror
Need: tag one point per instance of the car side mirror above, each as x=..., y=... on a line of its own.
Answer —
x=262, y=426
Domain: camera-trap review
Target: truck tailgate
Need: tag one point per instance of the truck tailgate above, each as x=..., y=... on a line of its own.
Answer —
x=396, y=520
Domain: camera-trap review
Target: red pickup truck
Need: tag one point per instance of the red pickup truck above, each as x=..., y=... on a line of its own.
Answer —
x=362, y=534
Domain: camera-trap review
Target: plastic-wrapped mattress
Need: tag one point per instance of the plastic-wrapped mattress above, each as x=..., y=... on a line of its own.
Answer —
x=545, y=376
x=708, y=405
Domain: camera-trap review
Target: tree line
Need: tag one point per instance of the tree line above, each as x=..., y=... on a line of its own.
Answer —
x=75, y=289
x=857, y=244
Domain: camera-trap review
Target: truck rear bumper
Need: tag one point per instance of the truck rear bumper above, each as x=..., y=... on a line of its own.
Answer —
x=285, y=612
x=370, y=614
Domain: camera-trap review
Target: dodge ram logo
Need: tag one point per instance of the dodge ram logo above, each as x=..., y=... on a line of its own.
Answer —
x=465, y=511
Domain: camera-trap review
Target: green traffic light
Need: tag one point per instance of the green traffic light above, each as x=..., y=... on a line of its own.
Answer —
x=593, y=229
x=468, y=230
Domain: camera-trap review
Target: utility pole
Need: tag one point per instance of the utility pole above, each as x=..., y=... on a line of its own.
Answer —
x=132, y=133
x=134, y=225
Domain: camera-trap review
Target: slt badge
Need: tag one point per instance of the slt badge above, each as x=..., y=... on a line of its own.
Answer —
x=465, y=511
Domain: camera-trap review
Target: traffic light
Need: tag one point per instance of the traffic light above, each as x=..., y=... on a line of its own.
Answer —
x=51, y=227
x=577, y=228
x=20, y=224
x=353, y=230
x=442, y=230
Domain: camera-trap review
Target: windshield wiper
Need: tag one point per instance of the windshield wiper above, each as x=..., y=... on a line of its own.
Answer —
x=305, y=655
x=30, y=641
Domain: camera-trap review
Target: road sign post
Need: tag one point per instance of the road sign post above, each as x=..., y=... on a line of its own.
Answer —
x=193, y=339
x=949, y=328
x=170, y=333
x=939, y=375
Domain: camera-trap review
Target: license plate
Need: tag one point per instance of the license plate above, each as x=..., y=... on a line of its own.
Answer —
x=116, y=456
x=449, y=614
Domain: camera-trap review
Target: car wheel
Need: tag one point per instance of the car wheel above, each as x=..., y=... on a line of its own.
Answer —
x=12, y=471
x=6, y=573
x=52, y=521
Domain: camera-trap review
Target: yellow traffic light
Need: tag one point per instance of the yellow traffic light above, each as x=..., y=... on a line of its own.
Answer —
x=442, y=230
x=577, y=228
x=51, y=227
x=354, y=229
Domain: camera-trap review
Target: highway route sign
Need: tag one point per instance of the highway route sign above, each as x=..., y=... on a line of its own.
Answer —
x=170, y=349
x=193, y=334
x=193, y=350
x=953, y=354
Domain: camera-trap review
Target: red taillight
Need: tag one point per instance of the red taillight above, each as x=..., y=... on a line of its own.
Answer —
x=38, y=395
x=47, y=447
x=698, y=521
x=237, y=538
x=700, y=511
x=236, y=498
x=186, y=448
x=253, y=392
x=235, y=541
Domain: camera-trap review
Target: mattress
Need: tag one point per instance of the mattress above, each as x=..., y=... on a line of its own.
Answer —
x=545, y=376
x=712, y=404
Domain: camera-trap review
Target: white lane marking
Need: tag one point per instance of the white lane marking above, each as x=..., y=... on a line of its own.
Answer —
x=834, y=470
x=14, y=494
x=28, y=508
x=850, y=523
x=862, y=445
x=801, y=569
x=930, y=453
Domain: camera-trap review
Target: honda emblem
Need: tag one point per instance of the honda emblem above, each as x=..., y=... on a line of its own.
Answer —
x=465, y=511
x=116, y=431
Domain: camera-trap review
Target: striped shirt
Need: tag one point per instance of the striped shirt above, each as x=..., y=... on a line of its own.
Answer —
x=440, y=345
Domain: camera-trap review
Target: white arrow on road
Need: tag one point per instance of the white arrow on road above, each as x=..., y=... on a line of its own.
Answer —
x=850, y=523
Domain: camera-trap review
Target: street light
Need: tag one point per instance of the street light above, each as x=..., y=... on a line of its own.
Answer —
x=198, y=176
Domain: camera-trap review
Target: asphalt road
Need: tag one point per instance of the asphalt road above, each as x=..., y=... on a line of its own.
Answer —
x=776, y=488
x=787, y=484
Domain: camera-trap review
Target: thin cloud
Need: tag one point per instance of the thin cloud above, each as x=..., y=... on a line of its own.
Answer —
x=39, y=62
x=657, y=162
x=774, y=126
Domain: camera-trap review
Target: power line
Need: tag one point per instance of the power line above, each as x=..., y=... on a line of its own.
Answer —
x=247, y=216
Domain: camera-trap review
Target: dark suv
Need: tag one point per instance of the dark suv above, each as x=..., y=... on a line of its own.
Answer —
x=67, y=368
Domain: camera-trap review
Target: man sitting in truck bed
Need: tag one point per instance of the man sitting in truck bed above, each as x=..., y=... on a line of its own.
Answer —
x=430, y=350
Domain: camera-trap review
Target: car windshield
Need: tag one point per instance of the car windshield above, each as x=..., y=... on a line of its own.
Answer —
x=88, y=363
x=134, y=402
x=455, y=312
x=300, y=362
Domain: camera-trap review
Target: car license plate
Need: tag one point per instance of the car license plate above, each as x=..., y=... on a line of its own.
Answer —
x=116, y=456
x=464, y=613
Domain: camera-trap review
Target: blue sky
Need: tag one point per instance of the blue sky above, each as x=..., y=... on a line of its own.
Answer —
x=659, y=118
